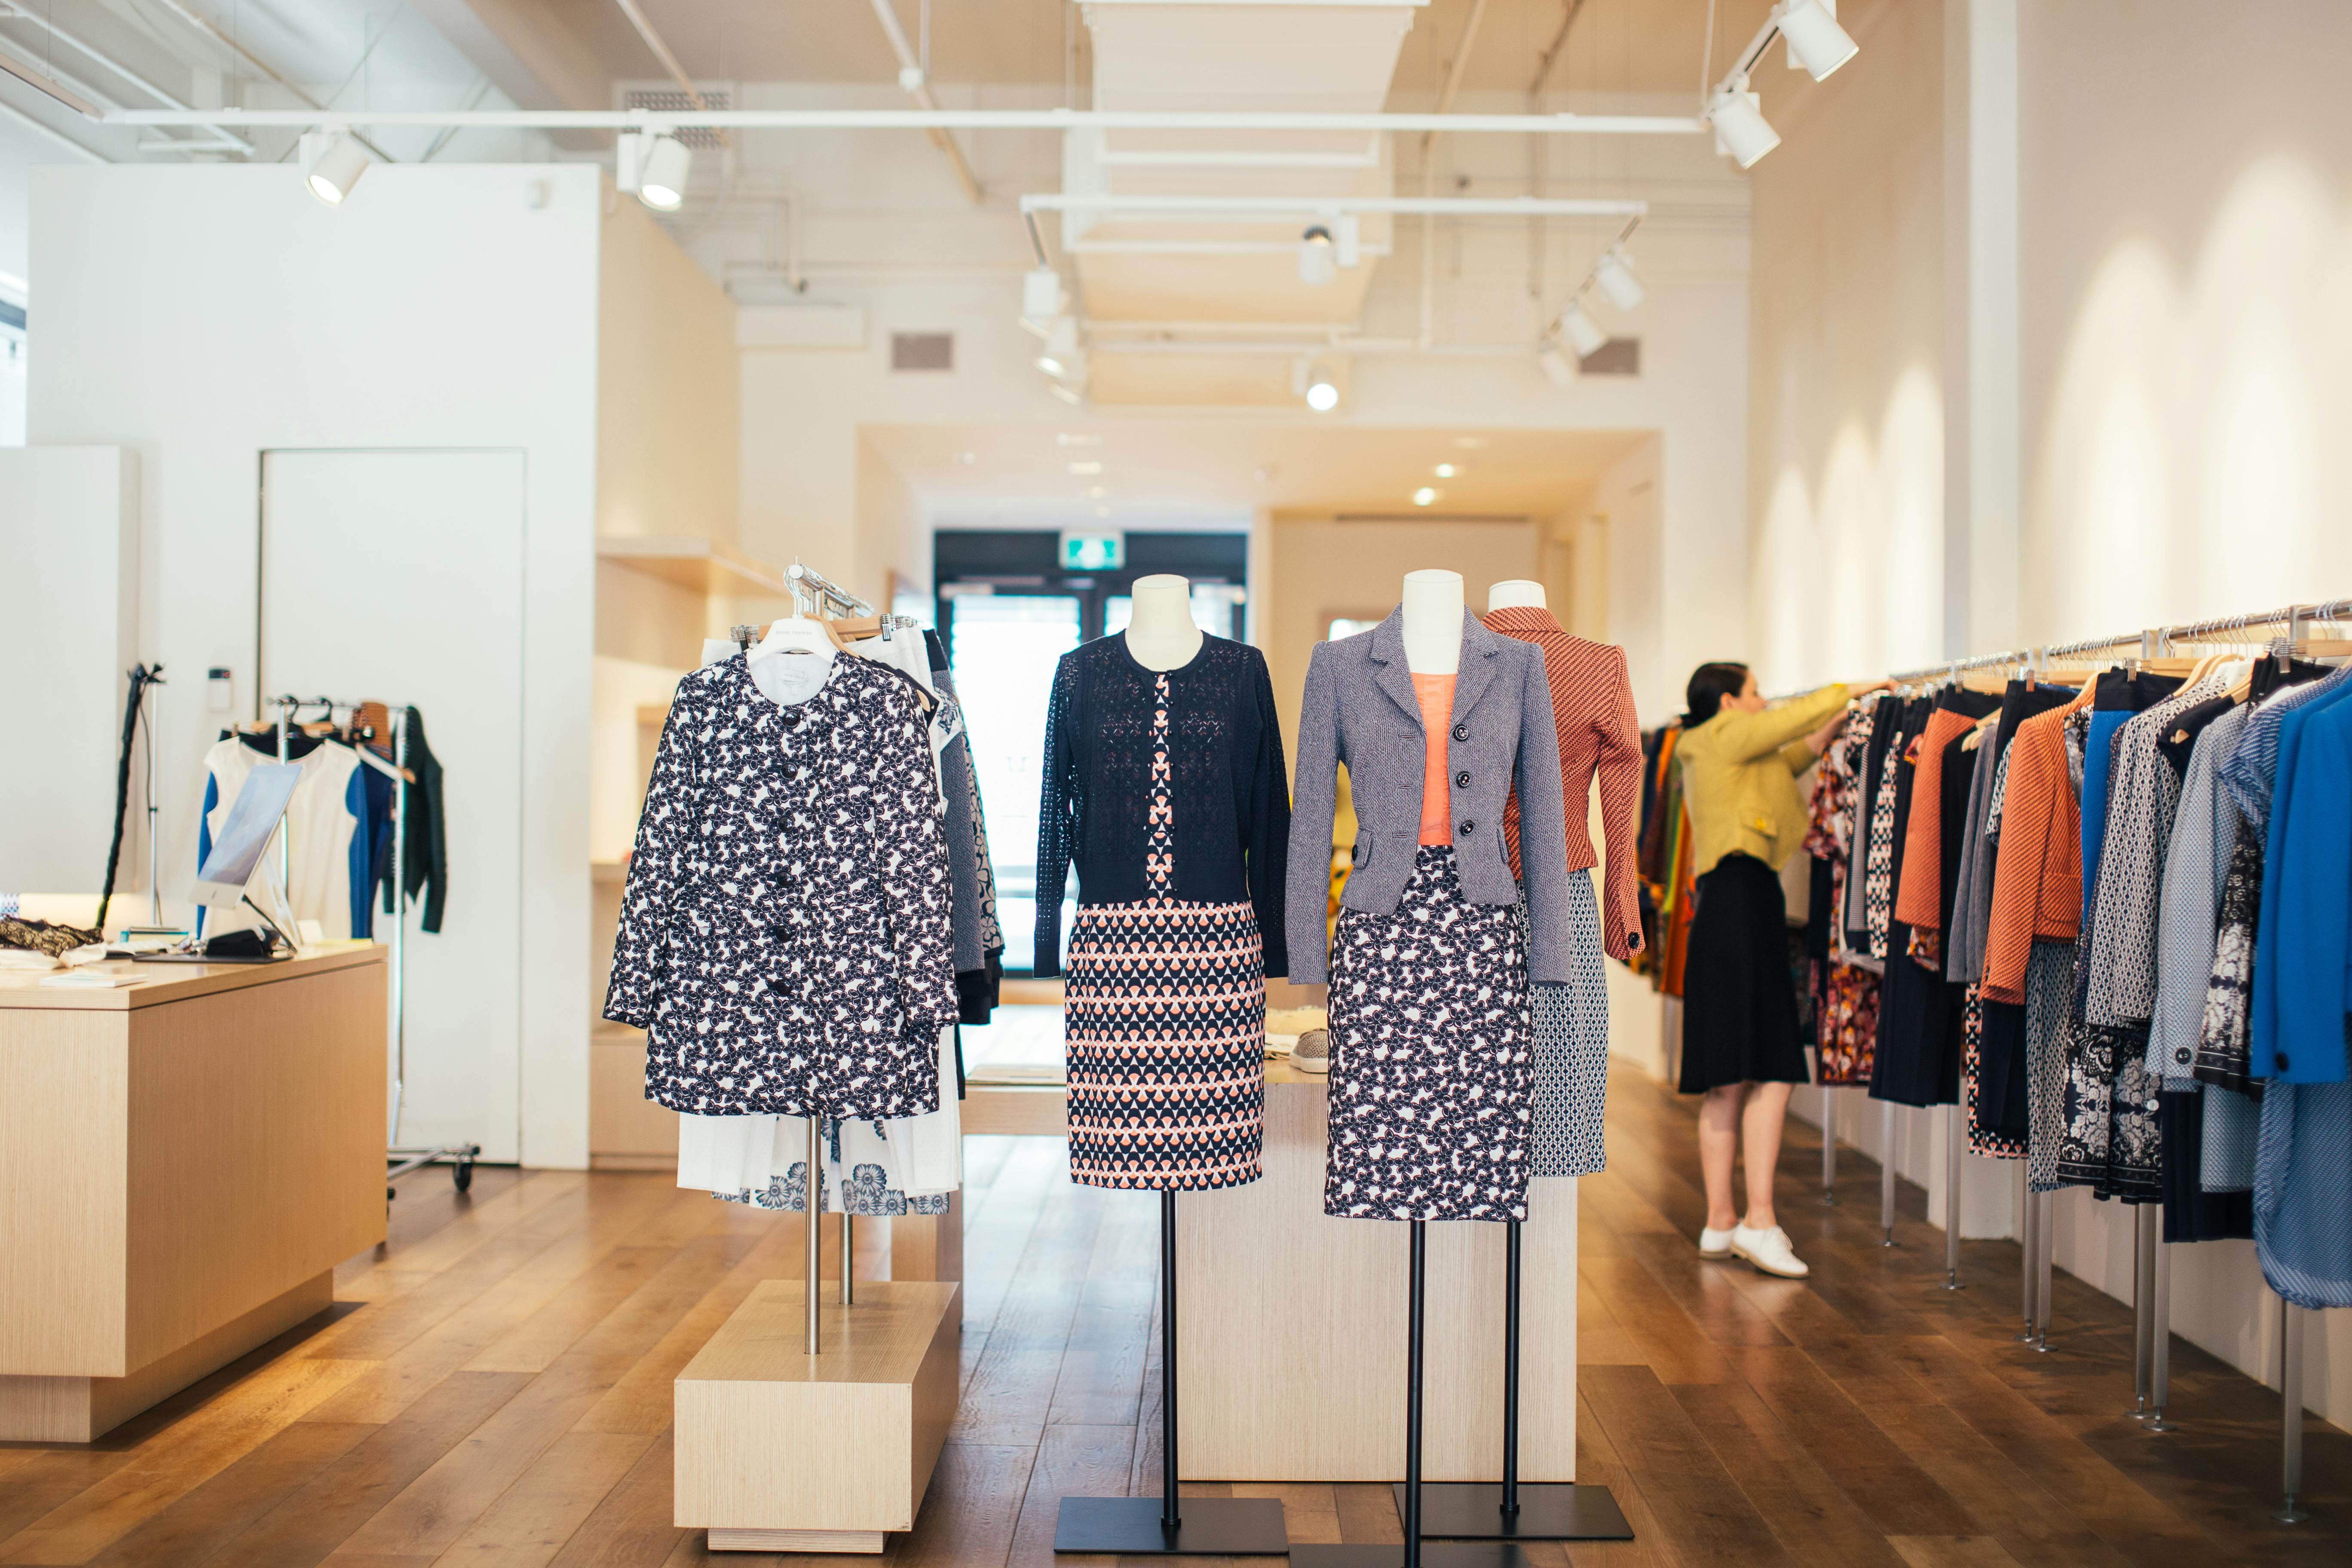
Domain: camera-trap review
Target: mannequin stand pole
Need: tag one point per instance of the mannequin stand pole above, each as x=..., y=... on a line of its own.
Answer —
x=1542, y=1510
x=1170, y=1525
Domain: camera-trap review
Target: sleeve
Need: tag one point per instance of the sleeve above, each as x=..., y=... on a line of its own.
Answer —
x=914, y=871
x=1620, y=770
x=1057, y=817
x=1745, y=737
x=1543, y=830
x=2028, y=801
x=1796, y=756
x=1269, y=837
x=954, y=763
x=359, y=857
x=2311, y=860
x=657, y=871
x=204, y=833
x=1314, y=801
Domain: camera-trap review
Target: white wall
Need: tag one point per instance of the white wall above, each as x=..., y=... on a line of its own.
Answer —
x=70, y=598
x=201, y=316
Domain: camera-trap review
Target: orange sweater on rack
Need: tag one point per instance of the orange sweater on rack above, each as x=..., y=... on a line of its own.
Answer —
x=2037, y=878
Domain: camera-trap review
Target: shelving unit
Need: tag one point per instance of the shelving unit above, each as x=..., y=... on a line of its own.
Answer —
x=704, y=565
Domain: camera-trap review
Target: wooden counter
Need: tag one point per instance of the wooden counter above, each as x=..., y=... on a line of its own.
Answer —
x=1292, y=1326
x=183, y=1163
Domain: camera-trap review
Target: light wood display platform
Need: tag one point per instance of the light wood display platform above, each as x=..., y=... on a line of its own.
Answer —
x=780, y=1451
x=183, y=1163
x=1293, y=1327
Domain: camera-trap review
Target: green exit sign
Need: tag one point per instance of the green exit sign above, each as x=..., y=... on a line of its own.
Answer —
x=1093, y=552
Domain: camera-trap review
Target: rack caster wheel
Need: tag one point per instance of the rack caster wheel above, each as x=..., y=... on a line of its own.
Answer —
x=463, y=1175
x=388, y=1195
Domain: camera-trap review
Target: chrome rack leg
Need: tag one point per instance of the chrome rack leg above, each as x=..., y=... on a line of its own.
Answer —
x=848, y=1253
x=2159, y=1332
x=2029, y=1215
x=1887, y=1170
x=2290, y=1510
x=812, y=1205
x=1829, y=1147
x=2143, y=1296
x=2047, y=1226
x=1955, y=1135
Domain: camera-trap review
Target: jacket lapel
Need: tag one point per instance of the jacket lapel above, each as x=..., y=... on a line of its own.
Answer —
x=1389, y=671
x=1479, y=649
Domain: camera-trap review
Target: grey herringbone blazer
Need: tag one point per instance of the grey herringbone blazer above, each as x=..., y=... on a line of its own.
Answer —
x=1359, y=709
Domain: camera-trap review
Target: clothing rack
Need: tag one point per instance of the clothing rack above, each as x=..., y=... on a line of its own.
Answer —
x=2151, y=1270
x=398, y=1161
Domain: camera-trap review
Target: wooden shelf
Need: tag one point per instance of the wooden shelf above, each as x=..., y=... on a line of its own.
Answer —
x=702, y=564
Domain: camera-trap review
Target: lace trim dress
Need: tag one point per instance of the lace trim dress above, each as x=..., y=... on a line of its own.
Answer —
x=1164, y=1014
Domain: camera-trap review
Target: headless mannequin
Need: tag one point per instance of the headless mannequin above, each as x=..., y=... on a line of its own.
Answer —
x=1161, y=635
x=1432, y=622
x=1518, y=593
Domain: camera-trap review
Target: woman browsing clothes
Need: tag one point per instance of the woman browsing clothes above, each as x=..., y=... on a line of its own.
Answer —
x=1740, y=1047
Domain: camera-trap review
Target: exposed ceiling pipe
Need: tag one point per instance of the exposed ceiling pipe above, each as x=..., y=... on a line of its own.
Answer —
x=42, y=83
x=1550, y=56
x=1308, y=207
x=179, y=8
x=1428, y=173
x=917, y=83
x=81, y=45
x=653, y=40
x=926, y=120
x=1539, y=160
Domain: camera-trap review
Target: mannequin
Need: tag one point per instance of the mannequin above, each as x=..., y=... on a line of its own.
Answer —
x=1517, y=594
x=1162, y=635
x=1432, y=622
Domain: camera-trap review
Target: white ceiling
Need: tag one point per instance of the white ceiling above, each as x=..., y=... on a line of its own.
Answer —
x=1222, y=470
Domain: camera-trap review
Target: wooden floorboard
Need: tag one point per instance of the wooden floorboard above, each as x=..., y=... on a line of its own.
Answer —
x=492, y=1389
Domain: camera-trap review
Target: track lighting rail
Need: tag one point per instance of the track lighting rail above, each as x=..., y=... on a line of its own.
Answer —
x=1436, y=206
x=918, y=119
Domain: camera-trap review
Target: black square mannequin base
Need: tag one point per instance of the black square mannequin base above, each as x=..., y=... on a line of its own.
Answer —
x=1205, y=1527
x=1434, y=1554
x=1549, y=1511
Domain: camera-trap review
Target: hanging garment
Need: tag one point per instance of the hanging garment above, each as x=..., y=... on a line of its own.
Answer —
x=2048, y=992
x=2303, y=1227
x=331, y=852
x=1600, y=739
x=1878, y=863
x=1233, y=813
x=1164, y=1012
x=1570, y=1032
x=2037, y=892
x=1920, y=1019
x=1432, y=1071
x=2204, y=831
x=2299, y=1032
x=784, y=936
x=762, y=1160
x=2233, y=1129
x=1739, y=1019
x=1845, y=993
x=2192, y=1212
x=424, y=832
x=1871, y=729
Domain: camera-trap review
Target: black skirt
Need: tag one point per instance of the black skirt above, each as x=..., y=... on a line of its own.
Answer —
x=1739, y=1006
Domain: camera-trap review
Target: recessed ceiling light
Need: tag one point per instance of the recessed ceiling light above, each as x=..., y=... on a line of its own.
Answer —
x=1469, y=443
x=1102, y=511
x=1073, y=439
x=1088, y=468
x=967, y=458
x=1446, y=470
x=1426, y=496
x=1095, y=491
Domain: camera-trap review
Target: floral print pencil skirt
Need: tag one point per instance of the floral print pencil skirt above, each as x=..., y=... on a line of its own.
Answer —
x=1433, y=1073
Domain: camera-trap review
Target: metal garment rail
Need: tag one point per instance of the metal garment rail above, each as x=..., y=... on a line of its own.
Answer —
x=2151, y=1256
x=398, y=1161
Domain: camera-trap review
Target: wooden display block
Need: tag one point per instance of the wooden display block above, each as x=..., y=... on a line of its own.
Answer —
x=782, y=1451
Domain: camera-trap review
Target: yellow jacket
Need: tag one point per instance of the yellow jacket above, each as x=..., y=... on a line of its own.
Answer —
x=1739, y=779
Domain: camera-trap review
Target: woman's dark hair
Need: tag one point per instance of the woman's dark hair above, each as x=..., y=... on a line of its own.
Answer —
x=1709, y=685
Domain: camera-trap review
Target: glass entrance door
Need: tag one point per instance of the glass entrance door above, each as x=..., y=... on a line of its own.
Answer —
x=1003, y=647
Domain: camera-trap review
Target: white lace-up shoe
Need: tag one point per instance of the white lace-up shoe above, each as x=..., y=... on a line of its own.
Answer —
x=1714, y=1243
x=1768, y=1250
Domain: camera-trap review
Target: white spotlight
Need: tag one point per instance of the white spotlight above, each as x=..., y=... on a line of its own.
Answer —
x=1614, y=277
x=1322, y=390
x=653, y=168
x=1316, y=264
x=1557, y=368
x=1582, y=331
x=1041, y=297
x=1815, y=40
x=1427, y=496
x=1061, y=351
x=1741, y=132
x=332, y=163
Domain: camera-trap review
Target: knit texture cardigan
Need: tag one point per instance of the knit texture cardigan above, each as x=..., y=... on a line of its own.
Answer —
x=1227, y=774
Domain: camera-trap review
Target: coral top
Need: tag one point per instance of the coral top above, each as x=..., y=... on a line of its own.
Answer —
x=1435, y=695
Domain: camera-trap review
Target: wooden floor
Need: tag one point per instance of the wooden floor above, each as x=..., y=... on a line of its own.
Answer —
x=494, y=1387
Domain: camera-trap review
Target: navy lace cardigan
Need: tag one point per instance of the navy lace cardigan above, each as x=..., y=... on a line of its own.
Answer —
x=1231, y=789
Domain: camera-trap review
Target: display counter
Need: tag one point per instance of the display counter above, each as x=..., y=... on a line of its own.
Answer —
x=1292, y=1326
x=183, y=1163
